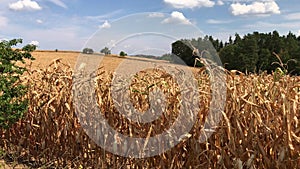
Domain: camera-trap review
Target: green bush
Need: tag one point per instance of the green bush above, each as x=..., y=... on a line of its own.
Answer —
x=122, y=53
x=13, y=104
x=88, y=51
x=106, y=51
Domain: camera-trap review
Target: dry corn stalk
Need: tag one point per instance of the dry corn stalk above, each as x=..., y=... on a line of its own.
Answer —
x=260, y=128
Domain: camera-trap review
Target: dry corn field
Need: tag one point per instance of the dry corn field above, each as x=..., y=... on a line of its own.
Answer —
x=259, y=128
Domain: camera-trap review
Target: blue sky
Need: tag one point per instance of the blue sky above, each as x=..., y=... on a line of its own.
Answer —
x=68, y=24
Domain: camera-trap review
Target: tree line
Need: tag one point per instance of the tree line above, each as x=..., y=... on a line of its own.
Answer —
x=252, y=53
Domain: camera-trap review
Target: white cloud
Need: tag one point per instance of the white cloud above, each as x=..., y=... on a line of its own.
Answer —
x=127, y=46
x=219, y=2
x=65, y=33
x=25, y=5
x=298, y=33
x=190, y=3
x=256, y=8
x=281, y=27
x=39, y=21
x=274, y=26
x=156, y=15
x=59, y=3
x=101, y=18
x=112, y=43
x=105, y=25
x=293, y=16
x=177, y=17
x=3, y=21
x=34, y=42
x=214, y=21
x=3, y=39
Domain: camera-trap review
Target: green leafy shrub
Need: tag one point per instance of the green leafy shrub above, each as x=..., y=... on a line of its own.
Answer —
x=106, y=51
x=88, y=51
x=13, y=104
x=122, y=53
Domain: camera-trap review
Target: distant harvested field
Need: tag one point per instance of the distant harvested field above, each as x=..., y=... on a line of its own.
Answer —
x=44, y=57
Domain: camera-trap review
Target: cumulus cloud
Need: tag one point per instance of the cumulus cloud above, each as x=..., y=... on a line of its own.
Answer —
x=106, y=24
x=256, y=8
x=156, y=15
x=34, y=42
x=177, y=17
x=190, y=3
x=25, y=5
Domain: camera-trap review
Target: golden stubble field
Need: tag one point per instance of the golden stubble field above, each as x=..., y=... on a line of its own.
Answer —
x=44, y=58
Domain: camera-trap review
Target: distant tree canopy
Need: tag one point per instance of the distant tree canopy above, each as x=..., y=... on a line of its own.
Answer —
x=88, y=51
x=183, y=49
x=251, y=53
x=106, y=51
x=122, y=53
x=167, y=56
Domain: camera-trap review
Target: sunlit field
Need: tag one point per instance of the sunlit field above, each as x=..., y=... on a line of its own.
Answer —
x=259, y=128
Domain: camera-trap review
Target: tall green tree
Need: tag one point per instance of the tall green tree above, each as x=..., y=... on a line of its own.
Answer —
x=254, y=52
x=106, y=51
x=263, y=62
x=228, y=57
x=13, y=103
x=250, y=52
x=88, y=51
x=180, y=49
